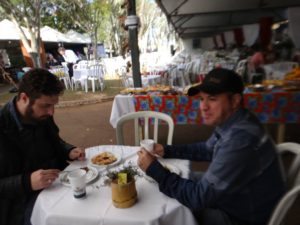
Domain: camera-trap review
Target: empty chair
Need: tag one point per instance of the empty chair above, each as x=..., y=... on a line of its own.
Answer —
x=241, y=67
x=156, y=117
x=61, y=73
x=292, y=172
x=80, y=74
x=96, y=74
x=283, y=206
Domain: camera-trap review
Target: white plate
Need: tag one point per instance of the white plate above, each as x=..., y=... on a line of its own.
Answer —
x=116, y=154
x=91, y=175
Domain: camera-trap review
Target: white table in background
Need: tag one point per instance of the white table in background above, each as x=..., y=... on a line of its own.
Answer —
x=122, y=105
x=57, y=206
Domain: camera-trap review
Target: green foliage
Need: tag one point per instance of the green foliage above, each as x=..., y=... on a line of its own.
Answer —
x=129, y=169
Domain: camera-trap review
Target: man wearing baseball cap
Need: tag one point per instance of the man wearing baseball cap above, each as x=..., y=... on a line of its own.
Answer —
x=244, y=181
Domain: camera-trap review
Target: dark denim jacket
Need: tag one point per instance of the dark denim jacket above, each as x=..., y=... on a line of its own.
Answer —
x=244, y=178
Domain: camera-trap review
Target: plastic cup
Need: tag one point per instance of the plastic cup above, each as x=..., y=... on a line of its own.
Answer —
x=77, y=180
x=147, y=144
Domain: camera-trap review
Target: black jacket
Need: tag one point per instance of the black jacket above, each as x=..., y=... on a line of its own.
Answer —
x=23, y=150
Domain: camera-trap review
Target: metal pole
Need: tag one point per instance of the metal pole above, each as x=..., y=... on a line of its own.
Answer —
x=133, y=44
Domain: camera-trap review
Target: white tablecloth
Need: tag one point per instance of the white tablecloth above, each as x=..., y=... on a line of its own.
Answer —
x=122, y=105
x=57, y=206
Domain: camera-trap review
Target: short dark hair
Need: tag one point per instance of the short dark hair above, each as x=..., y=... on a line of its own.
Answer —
x=37, y=82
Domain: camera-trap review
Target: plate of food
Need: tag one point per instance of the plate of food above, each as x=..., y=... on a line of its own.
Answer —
x=105, y=159
x=91, y=175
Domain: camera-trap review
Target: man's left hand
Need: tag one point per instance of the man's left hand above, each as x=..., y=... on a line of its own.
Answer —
x=77, y=154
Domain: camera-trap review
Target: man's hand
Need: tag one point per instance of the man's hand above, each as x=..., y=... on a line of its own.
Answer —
x=145, y=159
x=158, y=149
x=77, y=153
x=43, y=178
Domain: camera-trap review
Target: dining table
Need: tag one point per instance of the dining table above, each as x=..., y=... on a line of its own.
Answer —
x=277, y=107
x=57, y=206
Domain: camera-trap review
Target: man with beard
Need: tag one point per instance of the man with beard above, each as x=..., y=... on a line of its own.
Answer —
x=31, y=150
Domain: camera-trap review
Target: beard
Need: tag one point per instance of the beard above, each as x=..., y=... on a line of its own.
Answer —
x=29, y=115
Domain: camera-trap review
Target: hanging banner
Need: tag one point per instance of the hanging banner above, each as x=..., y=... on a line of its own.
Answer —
x=265, y=32
x=239, y=36
x=294, y=25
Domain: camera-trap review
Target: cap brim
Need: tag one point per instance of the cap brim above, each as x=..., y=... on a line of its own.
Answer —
x=210, y=89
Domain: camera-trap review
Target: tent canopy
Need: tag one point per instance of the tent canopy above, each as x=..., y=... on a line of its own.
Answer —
x=203, y=18
x=9, y=30
x=77, y=37
x=48, y=34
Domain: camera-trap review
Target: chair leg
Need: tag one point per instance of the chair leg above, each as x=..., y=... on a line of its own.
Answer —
x=93, y=85
x=86, y=86
x=66, y=83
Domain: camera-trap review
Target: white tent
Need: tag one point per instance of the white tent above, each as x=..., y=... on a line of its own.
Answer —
x=206, y=18
x=49, y=34
x=9, y=30
x=78, y=37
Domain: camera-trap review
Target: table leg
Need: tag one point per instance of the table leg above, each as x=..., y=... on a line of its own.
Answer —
x=280, y=133
x=86, y=86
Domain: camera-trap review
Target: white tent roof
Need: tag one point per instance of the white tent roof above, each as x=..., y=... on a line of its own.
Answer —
x=9, y=30
x=78, y=37
x=49, y=34
x=204, y=18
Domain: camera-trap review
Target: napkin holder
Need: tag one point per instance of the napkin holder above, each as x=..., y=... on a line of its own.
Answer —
x=123, y=195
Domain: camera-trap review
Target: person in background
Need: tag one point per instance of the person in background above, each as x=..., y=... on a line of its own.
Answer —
x=244, y=180
x=2, y=63
x=257, y=60
x=255, y=65
x=31, y=151
x=69, y=57
x=51, y=61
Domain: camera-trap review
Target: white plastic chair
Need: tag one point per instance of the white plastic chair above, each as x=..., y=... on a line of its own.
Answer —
x=96, y=76
x=292, y=172
x=63, y=75
x=283, y=206
x=241, y=67
x=78, y=78
x=145, y=115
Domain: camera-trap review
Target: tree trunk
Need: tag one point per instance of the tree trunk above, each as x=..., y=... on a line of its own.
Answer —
x=36, y=59
x=95, y=44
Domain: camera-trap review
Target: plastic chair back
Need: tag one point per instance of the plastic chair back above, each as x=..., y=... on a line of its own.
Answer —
x=146, y=116
x=292, y=173
x=283, y=206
